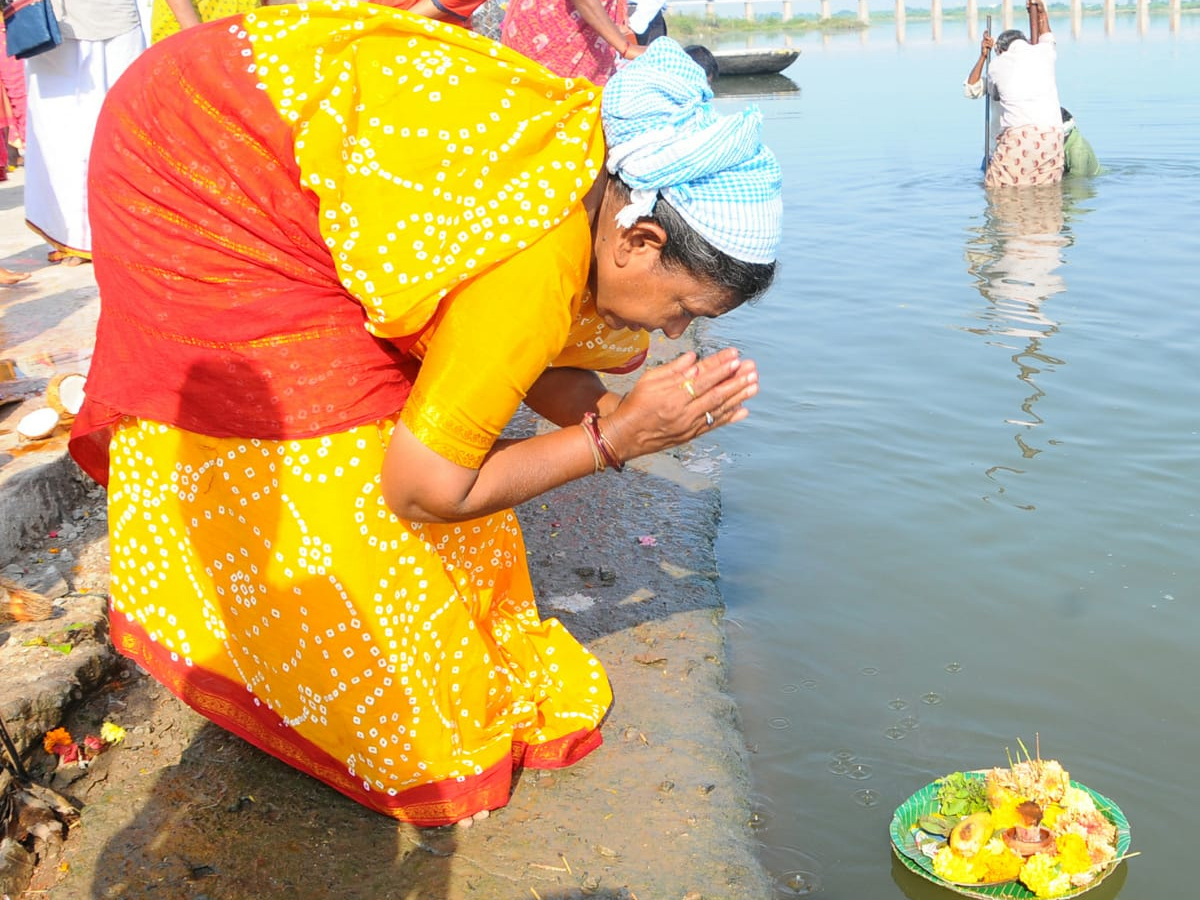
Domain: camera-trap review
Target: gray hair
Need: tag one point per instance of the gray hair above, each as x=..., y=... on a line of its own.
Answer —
x=1005, y=38
x=686, y=250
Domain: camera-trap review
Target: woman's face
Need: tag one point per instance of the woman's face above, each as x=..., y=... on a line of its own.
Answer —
x=652, y=297
x=634, y=290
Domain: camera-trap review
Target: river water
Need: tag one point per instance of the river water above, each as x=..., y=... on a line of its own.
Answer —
x=965, y=509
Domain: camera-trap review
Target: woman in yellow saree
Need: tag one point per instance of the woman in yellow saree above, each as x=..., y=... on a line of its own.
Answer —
x=337, y=246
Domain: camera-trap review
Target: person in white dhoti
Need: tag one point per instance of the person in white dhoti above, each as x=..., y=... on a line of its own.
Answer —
x=66, y=87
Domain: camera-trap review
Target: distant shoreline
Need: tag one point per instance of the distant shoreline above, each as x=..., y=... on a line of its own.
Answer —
x=697, y=24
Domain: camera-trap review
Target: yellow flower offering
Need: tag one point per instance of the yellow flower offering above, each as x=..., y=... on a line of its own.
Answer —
x=1042, y=876
x=1000, y=863
x=1050, y=815
x=1073, y=856
x=951, y=866
x=994, y=863
x=1005, y=815
x=112, y=734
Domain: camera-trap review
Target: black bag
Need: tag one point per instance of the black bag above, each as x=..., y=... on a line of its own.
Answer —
x=29, y=28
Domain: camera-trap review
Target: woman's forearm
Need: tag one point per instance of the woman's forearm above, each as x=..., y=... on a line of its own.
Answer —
x=184, y=13
x=669, y=405
x=513, y=472
x=562, y=396
x=594, y=14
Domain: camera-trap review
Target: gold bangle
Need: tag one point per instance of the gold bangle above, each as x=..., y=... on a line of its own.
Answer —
x=597, y=456
x=609, y=451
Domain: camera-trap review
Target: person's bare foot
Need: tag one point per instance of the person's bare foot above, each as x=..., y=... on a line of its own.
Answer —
x=65, y=258
x=8, y=276
x=471, y=820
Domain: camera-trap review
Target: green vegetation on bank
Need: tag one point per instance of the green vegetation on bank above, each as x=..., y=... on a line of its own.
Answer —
x=696, y=26
x=693, y=26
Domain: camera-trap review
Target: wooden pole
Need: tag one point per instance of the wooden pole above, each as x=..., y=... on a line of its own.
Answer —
x=787, y=10
x=973, y=19
x=1176, y=12
x=1110, y=15
x=987, y=107
x=935, y=15
x=1006, y=14
x=864, y=14
x=824, y=9
x=900, y=14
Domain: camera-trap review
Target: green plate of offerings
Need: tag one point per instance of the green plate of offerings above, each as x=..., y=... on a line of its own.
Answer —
x=913, y=846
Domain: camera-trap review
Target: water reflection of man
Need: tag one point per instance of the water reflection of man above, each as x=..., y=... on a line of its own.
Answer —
x=1016, y=258
x=1029, y=140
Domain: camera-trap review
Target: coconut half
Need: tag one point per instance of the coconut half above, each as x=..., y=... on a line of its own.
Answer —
x=64, y=393
x=38, y=424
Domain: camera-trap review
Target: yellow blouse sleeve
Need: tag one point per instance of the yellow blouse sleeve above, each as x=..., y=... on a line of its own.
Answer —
x=492, y=338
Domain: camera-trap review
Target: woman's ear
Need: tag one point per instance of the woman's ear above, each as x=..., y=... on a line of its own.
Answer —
x=643, y=238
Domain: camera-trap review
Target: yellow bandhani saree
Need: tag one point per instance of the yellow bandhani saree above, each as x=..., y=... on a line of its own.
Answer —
x=313, y=222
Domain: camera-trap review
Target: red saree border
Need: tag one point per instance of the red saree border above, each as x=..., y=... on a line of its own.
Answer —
x=230, y=706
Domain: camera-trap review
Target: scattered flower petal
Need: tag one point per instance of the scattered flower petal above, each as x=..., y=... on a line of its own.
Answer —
x=94, y=744
x=647, y=540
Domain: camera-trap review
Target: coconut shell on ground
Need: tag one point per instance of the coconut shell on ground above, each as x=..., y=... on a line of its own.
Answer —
x=39, y=424
x=64, y=393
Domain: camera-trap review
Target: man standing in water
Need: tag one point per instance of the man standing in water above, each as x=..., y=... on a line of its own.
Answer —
x=1029, y=143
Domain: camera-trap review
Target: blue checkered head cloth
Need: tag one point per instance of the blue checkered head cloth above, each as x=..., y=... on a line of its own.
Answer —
x=664, y=138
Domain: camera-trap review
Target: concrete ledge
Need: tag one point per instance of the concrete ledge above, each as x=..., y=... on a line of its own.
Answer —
x=37, y=492
x=48, y=667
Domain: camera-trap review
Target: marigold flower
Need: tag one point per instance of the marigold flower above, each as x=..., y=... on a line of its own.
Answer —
x=1073, y=856
x=112, y=734
x=59, y=737
x=1050, y=814
x=950, y=866
x=1000, y=863
x=1042, y=876
x=1005, y=815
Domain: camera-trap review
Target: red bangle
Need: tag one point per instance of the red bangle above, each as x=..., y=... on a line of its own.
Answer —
x=591, y=423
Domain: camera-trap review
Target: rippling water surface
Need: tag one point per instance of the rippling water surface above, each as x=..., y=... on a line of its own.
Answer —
x=966, y=507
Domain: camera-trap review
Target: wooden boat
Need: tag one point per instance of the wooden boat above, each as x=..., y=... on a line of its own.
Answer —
x=754, y=62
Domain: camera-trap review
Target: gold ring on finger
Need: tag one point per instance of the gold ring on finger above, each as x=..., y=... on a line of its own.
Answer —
x=690, y=388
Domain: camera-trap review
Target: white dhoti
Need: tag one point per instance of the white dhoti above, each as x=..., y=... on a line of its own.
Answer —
x=66, y=87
